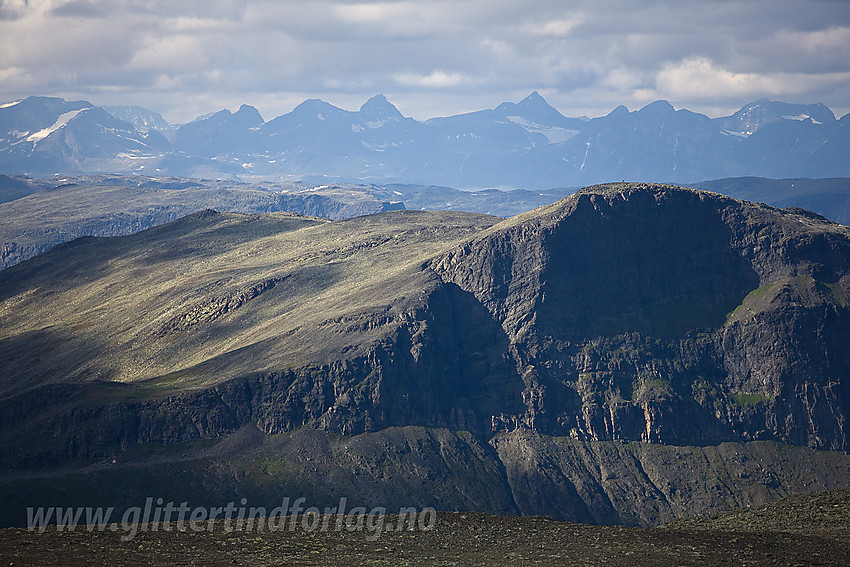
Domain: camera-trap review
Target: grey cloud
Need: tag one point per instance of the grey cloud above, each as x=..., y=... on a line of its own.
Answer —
x=438, y=56
x=79, y=9
x=203, y=9
x=13, y=9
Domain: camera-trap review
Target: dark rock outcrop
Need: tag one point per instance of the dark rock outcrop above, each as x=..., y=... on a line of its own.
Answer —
x=670, y=316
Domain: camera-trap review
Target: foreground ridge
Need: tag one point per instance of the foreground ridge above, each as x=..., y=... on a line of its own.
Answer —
x=631, y=329
x=472, y=538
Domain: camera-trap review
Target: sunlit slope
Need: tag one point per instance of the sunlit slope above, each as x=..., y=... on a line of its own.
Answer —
x=211, y=286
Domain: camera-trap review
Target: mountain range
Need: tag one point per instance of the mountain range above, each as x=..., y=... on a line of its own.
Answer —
x=520, y=145
x=630, y=354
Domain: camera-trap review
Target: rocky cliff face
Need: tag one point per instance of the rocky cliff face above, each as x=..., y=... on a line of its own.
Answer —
x=656, y=314
x=517, y=472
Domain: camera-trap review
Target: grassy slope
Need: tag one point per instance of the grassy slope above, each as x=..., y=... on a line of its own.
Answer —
x=169, y=310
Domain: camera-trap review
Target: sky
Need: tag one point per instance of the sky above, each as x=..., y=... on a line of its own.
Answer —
x=429, y=57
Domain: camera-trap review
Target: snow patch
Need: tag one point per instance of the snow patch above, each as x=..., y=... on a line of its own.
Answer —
x=125, y=155
x=373, y=147
x=554, y=134
x=8, y=104
x=586, y=151
x=376, y=124
x=357, y=128
x=60, y=122
x=802, y=117
x=398, y=192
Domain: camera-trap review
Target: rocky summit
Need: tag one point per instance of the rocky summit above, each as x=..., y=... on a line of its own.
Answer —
x=630, y=354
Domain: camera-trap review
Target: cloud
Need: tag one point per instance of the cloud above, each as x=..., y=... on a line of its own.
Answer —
x=700, y=77
x=202, y=9
x=561, y=27
x=437, y=79
x=79, y=9
x=12, y=9
x=437, y=56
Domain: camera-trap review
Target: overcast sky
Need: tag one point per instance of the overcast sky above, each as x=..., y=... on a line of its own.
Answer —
x=429, y=57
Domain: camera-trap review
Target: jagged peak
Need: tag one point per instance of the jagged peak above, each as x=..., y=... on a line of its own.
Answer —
x=315, y=105
x=658, y=106
x=817, y=111
x=249, y=113
x=534, y=107
x=621, y=110
x=379, y=106
x=534, y=99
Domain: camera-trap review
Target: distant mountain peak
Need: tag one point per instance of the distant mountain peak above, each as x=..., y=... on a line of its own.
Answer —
x=621, y=110
x=757, y=114
x=658, y=107
x=379, y=107
x=522, y=144
x=249, y=114
x=534, y=99
x=143, y=119
x=314, y=105
x=533, y=107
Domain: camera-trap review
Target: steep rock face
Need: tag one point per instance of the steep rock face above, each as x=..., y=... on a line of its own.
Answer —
x=644, y=484
x=519, y=472
x=664, y=315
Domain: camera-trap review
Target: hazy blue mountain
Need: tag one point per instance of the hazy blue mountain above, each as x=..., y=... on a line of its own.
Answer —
x=793, y=148
x=655, y=142
x=518, y=145
x=29, y=118
x=142, y=119
x=221, y=133
x=753, y=116
x=47, y=134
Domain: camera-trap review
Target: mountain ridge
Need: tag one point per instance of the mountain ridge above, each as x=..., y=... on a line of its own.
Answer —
x=529, y=320
x=558, y=362
x=523, y=145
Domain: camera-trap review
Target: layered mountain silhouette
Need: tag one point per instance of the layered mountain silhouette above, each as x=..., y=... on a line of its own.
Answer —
x=527, y=144
x=629, y=354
